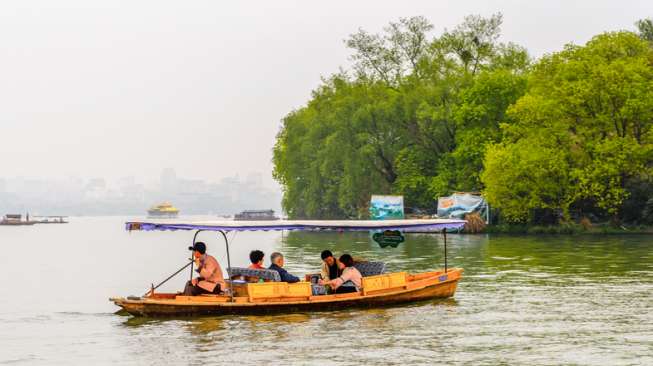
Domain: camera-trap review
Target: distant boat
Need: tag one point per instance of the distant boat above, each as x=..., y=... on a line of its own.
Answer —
x=255, y=215
x=52, y=219
x=163, y=210
x=15, y=220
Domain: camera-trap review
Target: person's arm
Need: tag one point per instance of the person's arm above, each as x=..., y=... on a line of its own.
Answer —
x=287, y=277
x=344, y=277
x=324, y=271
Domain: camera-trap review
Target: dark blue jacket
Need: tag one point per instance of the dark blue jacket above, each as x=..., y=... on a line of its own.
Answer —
x=285, y=276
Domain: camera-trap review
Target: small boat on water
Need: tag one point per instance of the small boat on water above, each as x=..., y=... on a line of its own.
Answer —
x=16, y=220
x=163, y=210
x=51, y=219
x=378, y=287
x=252, y=215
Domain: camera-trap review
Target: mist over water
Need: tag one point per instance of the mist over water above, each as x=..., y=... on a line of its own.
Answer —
x=523, y=300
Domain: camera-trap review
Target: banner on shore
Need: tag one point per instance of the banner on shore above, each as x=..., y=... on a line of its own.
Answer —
x=458, y=205
x=387, y=207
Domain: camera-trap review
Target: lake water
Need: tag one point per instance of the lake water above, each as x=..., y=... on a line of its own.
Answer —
x=549, y=300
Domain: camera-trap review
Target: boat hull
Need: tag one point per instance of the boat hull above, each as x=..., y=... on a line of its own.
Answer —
x=21, y=223
x=422, y=288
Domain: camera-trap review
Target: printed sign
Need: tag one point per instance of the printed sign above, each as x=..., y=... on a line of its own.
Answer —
x=387, y=208
x=389, y=238
x=458, y=205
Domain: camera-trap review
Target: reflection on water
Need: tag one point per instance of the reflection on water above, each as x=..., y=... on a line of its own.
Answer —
x=523, y=300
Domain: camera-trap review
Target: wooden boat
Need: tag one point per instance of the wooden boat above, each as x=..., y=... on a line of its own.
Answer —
x=15, y=220
x=378, y=290
x=281, y=297
x=163, y=210
x=251, y=215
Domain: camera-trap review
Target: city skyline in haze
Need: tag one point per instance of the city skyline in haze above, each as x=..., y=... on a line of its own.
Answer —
x=130, y=196
x=115, y=89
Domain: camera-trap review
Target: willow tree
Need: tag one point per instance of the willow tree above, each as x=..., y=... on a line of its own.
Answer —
x=394, y=123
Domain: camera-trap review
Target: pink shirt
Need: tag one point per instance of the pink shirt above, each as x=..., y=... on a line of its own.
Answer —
x=210, y=270
x=349, y=274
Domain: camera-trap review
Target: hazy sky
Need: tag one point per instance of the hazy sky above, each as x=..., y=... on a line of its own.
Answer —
x=116, y=88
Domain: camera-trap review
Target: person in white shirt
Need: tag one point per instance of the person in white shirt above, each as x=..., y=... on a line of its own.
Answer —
x=350, y=275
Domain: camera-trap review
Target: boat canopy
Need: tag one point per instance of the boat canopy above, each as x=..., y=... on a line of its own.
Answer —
x=308, y=225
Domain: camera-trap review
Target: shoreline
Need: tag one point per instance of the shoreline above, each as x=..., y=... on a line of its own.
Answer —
x=567, y=230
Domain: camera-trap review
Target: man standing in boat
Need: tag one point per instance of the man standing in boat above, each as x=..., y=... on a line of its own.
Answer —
x=210, y=280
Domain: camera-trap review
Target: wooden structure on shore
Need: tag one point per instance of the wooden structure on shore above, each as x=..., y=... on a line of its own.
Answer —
x=17, y=220
x=51, y=219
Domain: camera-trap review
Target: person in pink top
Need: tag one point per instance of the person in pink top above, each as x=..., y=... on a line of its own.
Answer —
x=351, y=278
x=210, y=280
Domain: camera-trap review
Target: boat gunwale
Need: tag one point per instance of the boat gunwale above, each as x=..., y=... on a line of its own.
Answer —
x=319, y=299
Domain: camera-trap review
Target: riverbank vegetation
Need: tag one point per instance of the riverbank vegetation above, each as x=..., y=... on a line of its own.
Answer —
x=557, y=140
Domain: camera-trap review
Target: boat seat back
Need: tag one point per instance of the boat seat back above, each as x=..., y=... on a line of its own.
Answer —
x=384, y=282
x=370, y=268
x=266, y=274
x=278, y=290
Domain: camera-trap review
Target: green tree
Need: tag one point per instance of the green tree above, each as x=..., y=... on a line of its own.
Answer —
x=595, y=103
x=526, y=176
x=474, y=41
x=412, y=119
x=645, y=28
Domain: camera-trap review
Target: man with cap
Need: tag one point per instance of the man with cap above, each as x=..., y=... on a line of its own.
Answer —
x=210, y=280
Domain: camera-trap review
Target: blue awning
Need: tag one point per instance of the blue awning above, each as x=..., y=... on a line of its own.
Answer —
x=307, y=225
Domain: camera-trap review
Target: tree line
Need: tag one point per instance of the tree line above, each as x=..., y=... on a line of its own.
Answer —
x=550, y=140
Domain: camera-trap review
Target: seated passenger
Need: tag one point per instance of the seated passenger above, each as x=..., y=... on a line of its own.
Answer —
x=277, y=264
x=349, y=274
x=330, y=269
x=256, y=257
x=210, y=280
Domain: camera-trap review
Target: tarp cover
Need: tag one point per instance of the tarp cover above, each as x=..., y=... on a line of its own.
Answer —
x=311, y=225
x=458, y=205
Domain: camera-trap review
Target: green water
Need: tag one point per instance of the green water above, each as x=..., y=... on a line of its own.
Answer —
x=549, y=300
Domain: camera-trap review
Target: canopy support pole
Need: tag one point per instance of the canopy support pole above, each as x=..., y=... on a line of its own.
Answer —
x=192, y=258
x=444, y=234
x=226, y=243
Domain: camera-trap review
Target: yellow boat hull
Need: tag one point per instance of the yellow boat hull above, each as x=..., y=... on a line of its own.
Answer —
x=380, y=292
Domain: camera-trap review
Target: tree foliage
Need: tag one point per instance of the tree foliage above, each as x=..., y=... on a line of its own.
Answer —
x=593, y=105
x=423, y=116
x=645, y=29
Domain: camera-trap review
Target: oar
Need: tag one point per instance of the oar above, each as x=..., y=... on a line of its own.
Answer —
x=169, y=277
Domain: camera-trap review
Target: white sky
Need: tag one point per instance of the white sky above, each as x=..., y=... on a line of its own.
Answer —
x=116, y=88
